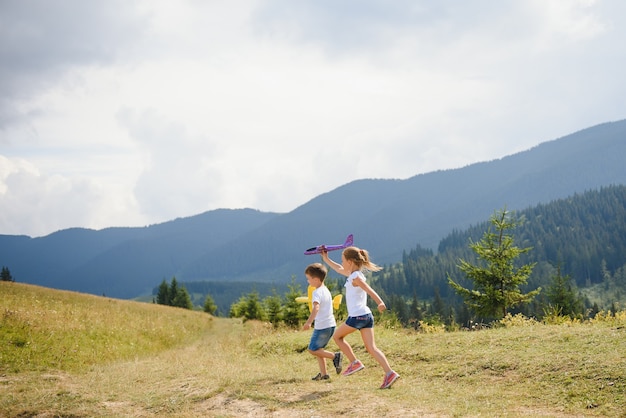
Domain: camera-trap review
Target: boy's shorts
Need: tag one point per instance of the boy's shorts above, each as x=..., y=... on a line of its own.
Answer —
x=320, y=338
x=361, y=321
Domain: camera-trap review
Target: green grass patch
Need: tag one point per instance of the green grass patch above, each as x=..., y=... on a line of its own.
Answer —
x=44, y=329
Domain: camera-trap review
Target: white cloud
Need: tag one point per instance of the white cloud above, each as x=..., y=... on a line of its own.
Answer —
x=140, y=112
x=32, y=201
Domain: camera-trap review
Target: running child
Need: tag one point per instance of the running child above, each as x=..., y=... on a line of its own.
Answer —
x=322, y=314
x=354, y=261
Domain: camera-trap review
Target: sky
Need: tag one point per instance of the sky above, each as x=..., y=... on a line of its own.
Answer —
x=132, y=112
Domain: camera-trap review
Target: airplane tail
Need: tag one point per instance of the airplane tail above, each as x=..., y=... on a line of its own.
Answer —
x=349, y=241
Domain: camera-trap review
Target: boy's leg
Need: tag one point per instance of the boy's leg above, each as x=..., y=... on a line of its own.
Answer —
x=322, y=363
x=321, y=353
x=318, y=342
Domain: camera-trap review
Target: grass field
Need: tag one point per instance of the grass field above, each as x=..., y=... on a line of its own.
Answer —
x=65, y=354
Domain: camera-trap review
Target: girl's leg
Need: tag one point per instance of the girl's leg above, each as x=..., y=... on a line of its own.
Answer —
x=339, y=337
x=367, y=334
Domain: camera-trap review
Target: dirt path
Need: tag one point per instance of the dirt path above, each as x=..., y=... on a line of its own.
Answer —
x=191, y=381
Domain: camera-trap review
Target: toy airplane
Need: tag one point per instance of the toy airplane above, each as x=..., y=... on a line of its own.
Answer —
x=308, y=299
x=319, y=248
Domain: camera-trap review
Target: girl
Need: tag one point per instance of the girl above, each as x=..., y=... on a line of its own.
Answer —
x=353, y=262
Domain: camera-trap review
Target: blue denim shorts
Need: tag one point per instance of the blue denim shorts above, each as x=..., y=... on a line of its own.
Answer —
x=320, y=338
x=361, y=321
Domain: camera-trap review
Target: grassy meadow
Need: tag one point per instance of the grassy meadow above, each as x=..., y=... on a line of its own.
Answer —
x=65, y=354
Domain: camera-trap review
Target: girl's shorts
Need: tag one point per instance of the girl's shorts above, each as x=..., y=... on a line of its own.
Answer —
x=361, y=321
x=320, y=338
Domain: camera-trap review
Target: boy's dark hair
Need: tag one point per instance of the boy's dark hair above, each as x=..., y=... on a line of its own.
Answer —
x=317, y=270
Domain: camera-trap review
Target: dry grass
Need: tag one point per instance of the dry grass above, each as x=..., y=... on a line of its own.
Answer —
x=228, y=368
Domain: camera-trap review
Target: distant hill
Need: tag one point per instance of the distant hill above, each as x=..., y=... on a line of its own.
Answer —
x=122, y=262
x=386, y=216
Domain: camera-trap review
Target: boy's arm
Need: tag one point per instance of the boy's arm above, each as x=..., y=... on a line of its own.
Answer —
x=368, y=289
x=314, y=311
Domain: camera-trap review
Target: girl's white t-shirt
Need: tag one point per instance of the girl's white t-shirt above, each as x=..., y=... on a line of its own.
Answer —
x=324, y=318
x=356, y=297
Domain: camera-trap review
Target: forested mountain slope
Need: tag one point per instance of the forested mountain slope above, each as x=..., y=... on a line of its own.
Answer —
x=583, y=235
x=386, y=216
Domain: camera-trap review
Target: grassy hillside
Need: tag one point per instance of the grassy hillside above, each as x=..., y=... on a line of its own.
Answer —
x=43, y=328
x=66, y=354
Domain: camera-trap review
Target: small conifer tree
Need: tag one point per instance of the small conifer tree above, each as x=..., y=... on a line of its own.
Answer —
x=273, y=308
x=562, y=295
x=163, y=294
x=496, y=280
x=209, y=305
x=5, y=275
x=182, y=298
x=254, y=309
x=294, y=312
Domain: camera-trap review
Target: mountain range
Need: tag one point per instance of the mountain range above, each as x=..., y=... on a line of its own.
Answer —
x=386, y=216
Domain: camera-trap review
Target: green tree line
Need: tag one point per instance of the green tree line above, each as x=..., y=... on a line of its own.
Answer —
x=283, y=309
x=574, y=244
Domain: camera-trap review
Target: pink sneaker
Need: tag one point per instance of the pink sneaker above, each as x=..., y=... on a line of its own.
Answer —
x=354, y=367
x=389, y=379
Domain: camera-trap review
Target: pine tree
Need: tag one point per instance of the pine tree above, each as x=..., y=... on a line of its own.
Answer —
x=173, y=290
x=562, y=296
x=182, y=298
x=273, y=308
x=253, y=309
x=438, y=307
x=400, y=309
x=415, y=312
x=238, y=309
x=5, y=275
x=163, y=294
x=464, y=316
x=496, y=282
x=294, y=312
x=209, y=305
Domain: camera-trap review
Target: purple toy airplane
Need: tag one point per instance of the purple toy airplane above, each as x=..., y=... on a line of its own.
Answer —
x=318, y=249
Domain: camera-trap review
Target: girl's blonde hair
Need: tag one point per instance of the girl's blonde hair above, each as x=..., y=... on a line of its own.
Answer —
x=361, y=258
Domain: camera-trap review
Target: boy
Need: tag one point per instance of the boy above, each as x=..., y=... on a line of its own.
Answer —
x=322, y=314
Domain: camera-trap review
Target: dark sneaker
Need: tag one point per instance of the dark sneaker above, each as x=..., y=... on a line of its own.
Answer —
x=389, y=379
x=354, y=367
x=320, y=377
x=337, y=362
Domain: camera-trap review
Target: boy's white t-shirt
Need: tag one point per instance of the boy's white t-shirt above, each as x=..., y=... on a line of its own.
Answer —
x=324, y=318
x=356, y=297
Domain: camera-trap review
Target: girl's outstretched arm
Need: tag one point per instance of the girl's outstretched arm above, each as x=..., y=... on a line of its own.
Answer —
x=333, y=264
